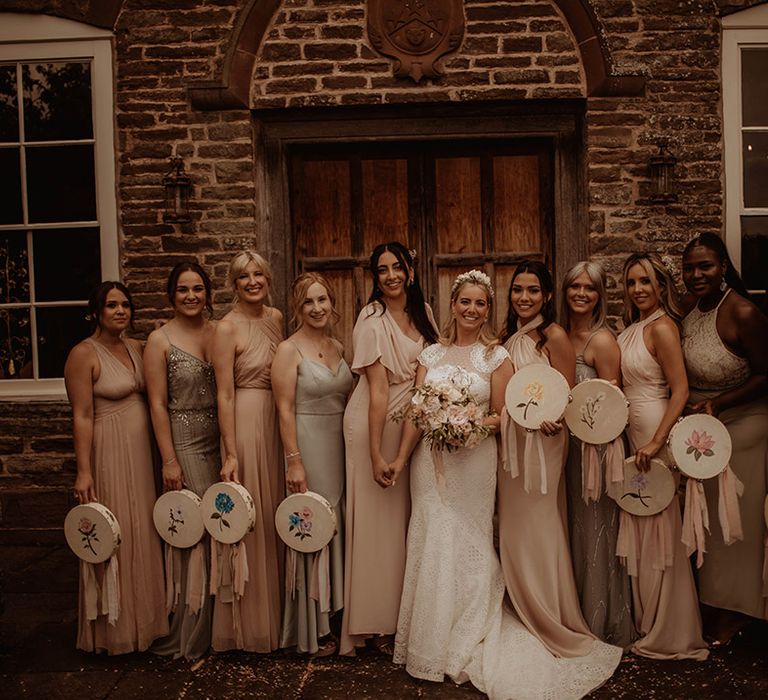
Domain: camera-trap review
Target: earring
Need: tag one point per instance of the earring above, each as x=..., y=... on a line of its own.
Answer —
x=723, y=285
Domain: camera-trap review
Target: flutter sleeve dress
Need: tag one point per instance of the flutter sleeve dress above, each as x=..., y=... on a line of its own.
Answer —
x=376, y=518
x=123, y=475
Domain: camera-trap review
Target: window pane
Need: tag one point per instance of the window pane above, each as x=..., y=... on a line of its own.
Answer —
x=60, y=184
x=15, y=344
x=10, y=176
x=67, y=263
x=57, y=101
x=754, y=251
x=9, y=106
x=59, y=329
x=14, y=271
x=755, y=152
x=754, y=86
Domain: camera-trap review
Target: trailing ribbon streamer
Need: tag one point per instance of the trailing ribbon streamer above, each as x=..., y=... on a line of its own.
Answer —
x=91, y=590
x=509, y=444
x=591, y=475
x=111, y=591
x=730, y=489
x=627, y=548
x=614, y=467
x=531, y=439
x=291, y=573
x=240, y=573
x=196, y=583
x=695, y=520
x=320, y=579
x=172, y=577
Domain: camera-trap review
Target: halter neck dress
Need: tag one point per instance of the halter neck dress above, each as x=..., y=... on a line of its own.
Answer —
x=123, y=475
x=733, y=577
x=665, y=604
x=252, y=622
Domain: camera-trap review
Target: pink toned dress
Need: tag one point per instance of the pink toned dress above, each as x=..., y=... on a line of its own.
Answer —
x=123, y=475
x=734, y=576
x=252, y=622
x=533, y=538
x=665, y=604
x=377, y=518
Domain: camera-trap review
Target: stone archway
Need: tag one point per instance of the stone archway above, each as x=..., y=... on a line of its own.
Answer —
x=231, y=88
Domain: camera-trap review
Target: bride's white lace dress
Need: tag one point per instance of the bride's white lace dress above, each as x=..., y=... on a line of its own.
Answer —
x=452, y=620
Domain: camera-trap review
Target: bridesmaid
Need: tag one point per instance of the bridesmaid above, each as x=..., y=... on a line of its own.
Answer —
x=601, y=581
x=653, y=373
x=104, y=377
x=533, y=541
x=311, y=382
x=244, y=344
x=389, y=334
x=182, y=401
x=725, y=339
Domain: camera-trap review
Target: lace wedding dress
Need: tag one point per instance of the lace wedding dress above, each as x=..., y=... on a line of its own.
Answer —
x=452, y=620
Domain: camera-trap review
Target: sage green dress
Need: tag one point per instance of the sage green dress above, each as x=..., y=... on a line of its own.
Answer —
x=321, y=396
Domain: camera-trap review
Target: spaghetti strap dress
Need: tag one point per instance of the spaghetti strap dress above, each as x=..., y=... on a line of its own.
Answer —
x=377, y=518
x=602, y=582
x=666, y=608
x=321, y=395
x=735, y=576
x=533, y=538
x=195, y=434
x=252, y=622
x=123, y=475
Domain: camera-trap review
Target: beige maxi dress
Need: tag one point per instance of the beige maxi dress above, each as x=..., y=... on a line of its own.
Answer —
x=376, y=518
x=533, y=538
x=123, y=475
x=665, y=603
x=733, y=576
x=252, y=622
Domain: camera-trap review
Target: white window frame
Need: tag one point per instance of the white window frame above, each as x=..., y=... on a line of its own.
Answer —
x=25, y=37
x=745, y=28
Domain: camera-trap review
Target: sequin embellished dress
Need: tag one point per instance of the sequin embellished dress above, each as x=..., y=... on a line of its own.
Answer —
x=733, y=577
x=195, y=434
x=123, y=477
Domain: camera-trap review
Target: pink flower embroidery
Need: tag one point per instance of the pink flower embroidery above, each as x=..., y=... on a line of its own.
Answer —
x=700, y=444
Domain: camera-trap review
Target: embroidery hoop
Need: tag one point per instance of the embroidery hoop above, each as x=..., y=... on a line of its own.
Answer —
x=608, y=415
x=106, y=532
x=528, y=407
x=709, y=430
x=657, y=494
x=234, y=518
x=178, y=519
x=322, y=522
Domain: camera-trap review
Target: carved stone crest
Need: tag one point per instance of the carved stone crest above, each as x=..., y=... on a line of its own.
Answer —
x=415, y=33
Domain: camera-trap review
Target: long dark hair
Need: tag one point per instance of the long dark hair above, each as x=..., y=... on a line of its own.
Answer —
x=98, y=300
x=414, y=297
x=190, y=266
x=548, y=312
x=716, y=244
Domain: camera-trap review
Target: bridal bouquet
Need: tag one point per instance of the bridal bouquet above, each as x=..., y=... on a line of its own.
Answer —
x=447, y=413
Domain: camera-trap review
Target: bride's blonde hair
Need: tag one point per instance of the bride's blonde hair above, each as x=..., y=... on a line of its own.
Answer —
x=487, y=335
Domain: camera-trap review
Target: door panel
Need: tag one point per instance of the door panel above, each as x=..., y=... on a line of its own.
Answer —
x=460, y=205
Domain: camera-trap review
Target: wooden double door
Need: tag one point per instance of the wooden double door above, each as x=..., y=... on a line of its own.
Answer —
x=459, y=204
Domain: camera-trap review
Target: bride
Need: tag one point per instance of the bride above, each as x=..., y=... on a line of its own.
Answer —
x=452, y=621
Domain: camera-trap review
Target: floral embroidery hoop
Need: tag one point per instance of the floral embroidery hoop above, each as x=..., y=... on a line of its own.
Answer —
x=598, y=412
x=700, y=446
x=92, y=532
x=228, y=512
x=178, y=519
x=536, y=393
x=305, y=521
x=645, y=493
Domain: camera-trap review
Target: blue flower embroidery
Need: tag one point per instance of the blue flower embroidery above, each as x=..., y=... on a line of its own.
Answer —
x=224, y=504
x=294, y=519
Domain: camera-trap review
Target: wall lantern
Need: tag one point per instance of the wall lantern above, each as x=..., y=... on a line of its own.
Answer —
x=662, y=165
x=177, y=185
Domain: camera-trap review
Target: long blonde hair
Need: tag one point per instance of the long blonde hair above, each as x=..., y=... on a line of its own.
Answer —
x=662, y=282
x=240, y=262
x=299, y=290
x=487, y=335
x=596, y=274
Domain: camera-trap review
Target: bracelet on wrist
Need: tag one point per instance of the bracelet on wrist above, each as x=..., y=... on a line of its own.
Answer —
x=170, y=461
x=293, y=455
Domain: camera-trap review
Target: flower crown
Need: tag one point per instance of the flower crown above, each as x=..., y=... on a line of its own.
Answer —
x=473, y=277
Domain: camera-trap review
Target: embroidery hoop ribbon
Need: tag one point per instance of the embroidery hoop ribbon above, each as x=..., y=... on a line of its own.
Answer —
x=695, y=520
x=730, y=488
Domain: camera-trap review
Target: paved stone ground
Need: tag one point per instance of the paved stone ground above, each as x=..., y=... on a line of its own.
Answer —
x=38, y=659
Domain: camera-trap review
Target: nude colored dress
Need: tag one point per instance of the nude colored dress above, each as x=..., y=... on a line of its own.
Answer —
x=321, y=395
x=732, y=576
x=452, y=618
x=123, y=475
x=195, y=434
x=665, y=603
x=601, y=581
x=252, y=623
x=377, y=518
x=533, y=538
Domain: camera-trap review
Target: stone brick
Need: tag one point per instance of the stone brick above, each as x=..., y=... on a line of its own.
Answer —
x=522, y=44
x=344, y=82
x=283, y=51
x=505, y=77
x=330, y=51
x=291, y=85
